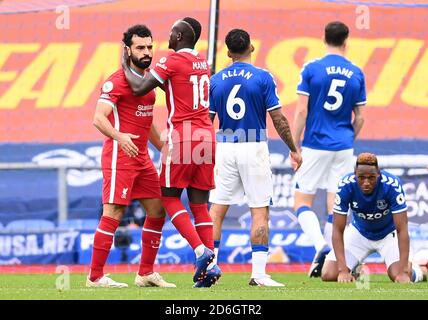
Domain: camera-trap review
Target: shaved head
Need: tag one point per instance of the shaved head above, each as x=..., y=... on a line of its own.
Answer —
x=186, y=30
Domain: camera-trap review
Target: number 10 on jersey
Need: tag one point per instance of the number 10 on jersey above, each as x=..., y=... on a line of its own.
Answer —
x=199, y=86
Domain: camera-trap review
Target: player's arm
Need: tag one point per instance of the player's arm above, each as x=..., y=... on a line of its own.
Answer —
x=139, y=86
x=401, y=225
x=358, y=120
x=155, y=138
x=300, y=116
x=101, y=122
x=339, y=224
x=282, y=126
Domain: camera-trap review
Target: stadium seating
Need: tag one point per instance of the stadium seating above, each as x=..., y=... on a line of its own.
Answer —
x=30, y=225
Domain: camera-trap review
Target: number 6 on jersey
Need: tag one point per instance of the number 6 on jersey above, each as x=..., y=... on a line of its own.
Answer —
x=232, y=100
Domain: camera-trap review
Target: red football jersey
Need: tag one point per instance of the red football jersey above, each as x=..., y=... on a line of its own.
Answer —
x=131, y=114
x=186, y=77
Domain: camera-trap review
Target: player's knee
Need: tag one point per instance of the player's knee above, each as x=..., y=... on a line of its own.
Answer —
x=328, y=276
x=114, y=211
x=158, y=212
x=328, y=272
x=393, y=271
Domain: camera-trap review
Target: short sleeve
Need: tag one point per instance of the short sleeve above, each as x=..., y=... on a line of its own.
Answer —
x=270, y=93
x=362, y=100
x=163, y=69
x=111, y=91
x=303, y=85
x=397, y=198
x=342, y=199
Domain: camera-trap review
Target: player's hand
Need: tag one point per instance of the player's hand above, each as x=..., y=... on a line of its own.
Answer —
x=402, y=277
x=125, y=142
x=125, y=58
x=295, y=160
x=345, y=276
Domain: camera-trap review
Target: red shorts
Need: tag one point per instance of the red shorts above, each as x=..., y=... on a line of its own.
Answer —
x=121, y=186
x=188, y=164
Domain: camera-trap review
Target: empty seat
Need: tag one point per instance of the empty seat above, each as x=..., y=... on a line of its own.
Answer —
x=79, y=224
x=30, y=225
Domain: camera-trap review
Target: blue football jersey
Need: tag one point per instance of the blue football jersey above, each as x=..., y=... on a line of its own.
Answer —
x=241, y=94
x=334, y=86
x=371, y=214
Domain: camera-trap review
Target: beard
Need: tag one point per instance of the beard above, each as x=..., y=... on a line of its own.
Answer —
x=140, y=63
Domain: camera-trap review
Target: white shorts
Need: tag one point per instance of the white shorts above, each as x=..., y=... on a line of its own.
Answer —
x=322, y=169
x=358, y=247
x=242, y=170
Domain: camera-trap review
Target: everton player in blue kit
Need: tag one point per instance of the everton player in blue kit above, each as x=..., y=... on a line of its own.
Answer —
x=379, y=224
x=330, y=91
x=241, y=95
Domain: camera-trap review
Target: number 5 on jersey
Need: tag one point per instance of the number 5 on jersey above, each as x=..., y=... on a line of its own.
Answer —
x=199, y=91
x=332, y=92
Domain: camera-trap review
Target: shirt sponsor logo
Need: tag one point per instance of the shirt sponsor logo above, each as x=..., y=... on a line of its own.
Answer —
x=144, y=111
x=372, y=216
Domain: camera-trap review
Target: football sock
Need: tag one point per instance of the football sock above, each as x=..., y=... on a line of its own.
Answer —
x=203, y=223
x=103, y=240
x=199, y=250
x=311, y=227
x=216, y=248
x=417, y=274
x=328, y=231
x=214, y=262
x=150, y=238
x=181, y=220
x=259, y=257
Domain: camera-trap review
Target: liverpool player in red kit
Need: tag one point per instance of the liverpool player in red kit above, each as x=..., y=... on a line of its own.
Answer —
x=128, y=171
x=188, y=156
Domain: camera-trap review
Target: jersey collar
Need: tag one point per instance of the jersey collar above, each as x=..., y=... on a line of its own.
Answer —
x=188, y=50
x=139, y=75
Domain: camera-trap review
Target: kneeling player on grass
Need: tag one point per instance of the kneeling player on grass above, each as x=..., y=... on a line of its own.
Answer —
x=128, y=171
x=379, y=224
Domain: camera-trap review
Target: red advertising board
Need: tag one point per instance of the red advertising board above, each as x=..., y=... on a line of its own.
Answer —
x=54, y=58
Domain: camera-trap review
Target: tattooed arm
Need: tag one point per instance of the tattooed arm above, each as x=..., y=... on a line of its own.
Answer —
x=283, y=128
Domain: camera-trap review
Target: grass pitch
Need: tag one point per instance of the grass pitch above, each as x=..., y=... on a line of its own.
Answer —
x=231, y=286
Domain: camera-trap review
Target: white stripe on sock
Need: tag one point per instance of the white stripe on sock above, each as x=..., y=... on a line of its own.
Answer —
x=151, y=230
x=105, y=232
x=176, y=214
x=204, y=224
